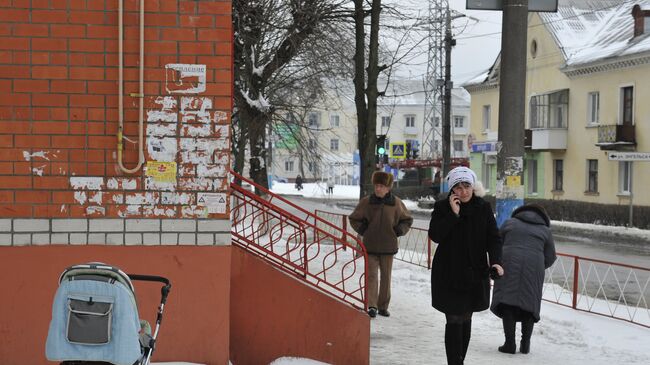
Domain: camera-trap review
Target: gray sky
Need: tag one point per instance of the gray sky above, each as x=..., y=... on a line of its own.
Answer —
x=478, y=41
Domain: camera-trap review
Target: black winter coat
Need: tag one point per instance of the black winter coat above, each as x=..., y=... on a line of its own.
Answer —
x=467, y=246
x=528, y=249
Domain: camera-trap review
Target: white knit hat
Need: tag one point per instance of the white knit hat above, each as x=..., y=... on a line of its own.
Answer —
x=461, y=174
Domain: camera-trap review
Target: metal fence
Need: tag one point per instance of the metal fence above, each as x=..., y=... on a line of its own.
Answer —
x=415, y=246
x=300, y=243
x=596, y=286
x=602, y=287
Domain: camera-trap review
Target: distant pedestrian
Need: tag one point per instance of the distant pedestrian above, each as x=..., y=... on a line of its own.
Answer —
x=528, y=250
x=298, y=182
x=380, y=218
x=330, y=186
x=465, y=230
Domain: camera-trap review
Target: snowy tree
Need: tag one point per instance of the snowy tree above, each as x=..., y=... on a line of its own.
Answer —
x=277, y=58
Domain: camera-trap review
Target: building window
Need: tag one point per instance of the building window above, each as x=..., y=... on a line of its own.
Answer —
x=334, y=120
x=624, y=176
x=550, y=110
x=459, y=122
x=313, y=168
x=531, y=175
x=458, y=145
x=385, y=122
x=313, y=119
x=627, y=105
x=410, y=121
x=592, y=176
x=489, y=162
x=334, y=144
x=487, y=110
x=288, y=165
x=558, y=179
x=593, y=107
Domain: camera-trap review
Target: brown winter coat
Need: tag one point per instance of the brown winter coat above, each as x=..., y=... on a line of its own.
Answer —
x=380, y=221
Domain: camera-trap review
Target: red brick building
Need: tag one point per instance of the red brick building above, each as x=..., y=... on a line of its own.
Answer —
x=119, y=152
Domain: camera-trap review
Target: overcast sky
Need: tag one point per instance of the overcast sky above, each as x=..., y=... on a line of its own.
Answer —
x=478, y=41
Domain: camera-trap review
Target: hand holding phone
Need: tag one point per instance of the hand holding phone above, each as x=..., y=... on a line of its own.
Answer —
x=454, y=202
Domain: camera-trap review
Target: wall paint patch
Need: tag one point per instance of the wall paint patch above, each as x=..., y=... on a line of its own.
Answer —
x=151, y=184
x=87, y=183
x=183, y=78
x=42, y=154
x=215, y=202
x=162, y=149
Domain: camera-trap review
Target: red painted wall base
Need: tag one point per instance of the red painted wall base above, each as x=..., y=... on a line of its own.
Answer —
x=196, y=320
x=275, y=315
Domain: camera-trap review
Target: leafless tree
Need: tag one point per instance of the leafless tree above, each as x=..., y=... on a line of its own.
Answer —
x=275, y=58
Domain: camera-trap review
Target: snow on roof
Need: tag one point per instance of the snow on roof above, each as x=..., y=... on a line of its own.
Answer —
x=588, y=31
x=411, y=92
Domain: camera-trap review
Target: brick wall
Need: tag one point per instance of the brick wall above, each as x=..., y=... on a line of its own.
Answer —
x=59, y=122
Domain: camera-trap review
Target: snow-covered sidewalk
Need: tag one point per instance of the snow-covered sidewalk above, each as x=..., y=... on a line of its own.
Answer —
x=414, y=334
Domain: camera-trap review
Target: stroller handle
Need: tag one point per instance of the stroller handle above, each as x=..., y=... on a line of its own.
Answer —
x=165, y=289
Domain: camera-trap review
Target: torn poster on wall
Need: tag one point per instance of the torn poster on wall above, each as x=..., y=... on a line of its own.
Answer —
x=183, y=78
x=215, y=202
x=162, y=171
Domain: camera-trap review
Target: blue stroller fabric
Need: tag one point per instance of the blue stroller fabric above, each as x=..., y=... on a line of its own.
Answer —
x=117, y=344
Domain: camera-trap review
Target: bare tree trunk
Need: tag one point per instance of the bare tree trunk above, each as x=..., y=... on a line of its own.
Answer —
x=256, y=128
x=239, y=139
x=366, y=98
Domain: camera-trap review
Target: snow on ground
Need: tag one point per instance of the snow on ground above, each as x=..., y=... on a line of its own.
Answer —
x=414, y=333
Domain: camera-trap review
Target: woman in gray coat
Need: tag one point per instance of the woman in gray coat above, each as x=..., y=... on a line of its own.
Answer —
x=528, y=250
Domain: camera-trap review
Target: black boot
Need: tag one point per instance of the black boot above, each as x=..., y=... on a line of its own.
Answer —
x=509, y=324
x=467, y=334
x=526, y=332
x=454, y=343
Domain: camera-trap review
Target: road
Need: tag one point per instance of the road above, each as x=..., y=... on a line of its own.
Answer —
x=614, y=278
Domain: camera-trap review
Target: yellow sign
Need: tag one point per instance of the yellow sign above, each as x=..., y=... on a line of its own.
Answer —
x=398, y=150
x=162, y=171
x=513, y=180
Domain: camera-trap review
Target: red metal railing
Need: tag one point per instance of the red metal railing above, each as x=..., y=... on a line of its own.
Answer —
x=300, y=243
x=601, y=287
x=415, y=247
x=596, y=286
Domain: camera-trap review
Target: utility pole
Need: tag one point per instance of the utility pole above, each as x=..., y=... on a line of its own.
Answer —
x=512, y=98
x=448, y=86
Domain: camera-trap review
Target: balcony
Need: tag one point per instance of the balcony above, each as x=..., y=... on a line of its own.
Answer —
x=616, y=137
x=547, y=139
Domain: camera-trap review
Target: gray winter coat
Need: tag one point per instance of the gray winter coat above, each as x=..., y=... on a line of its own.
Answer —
x=528, y=249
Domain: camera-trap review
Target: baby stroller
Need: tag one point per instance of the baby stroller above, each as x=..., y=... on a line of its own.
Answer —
x=95, y=318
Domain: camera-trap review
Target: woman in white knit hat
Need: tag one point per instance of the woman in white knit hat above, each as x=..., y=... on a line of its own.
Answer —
x=469, y=247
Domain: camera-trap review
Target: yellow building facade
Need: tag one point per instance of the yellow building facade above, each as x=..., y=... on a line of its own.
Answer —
x=588, y=97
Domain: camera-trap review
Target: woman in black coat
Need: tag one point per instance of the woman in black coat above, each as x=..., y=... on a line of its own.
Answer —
x=528, y=250
x=465, y=230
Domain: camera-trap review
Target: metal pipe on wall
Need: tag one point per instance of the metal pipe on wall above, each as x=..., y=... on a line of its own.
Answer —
x=140, y=95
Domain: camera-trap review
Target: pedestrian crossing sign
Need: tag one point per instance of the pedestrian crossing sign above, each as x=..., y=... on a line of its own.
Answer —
x=398, y=150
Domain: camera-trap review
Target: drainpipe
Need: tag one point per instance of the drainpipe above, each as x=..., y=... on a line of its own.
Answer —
x=140, y=94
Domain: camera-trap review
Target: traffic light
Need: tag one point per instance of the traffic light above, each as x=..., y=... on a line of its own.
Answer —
x=380, y=149
x=409, y=150
x=381, y=145
x=415, y=152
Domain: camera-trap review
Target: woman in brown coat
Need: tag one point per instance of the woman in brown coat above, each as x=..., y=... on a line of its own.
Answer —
x=380, y=218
